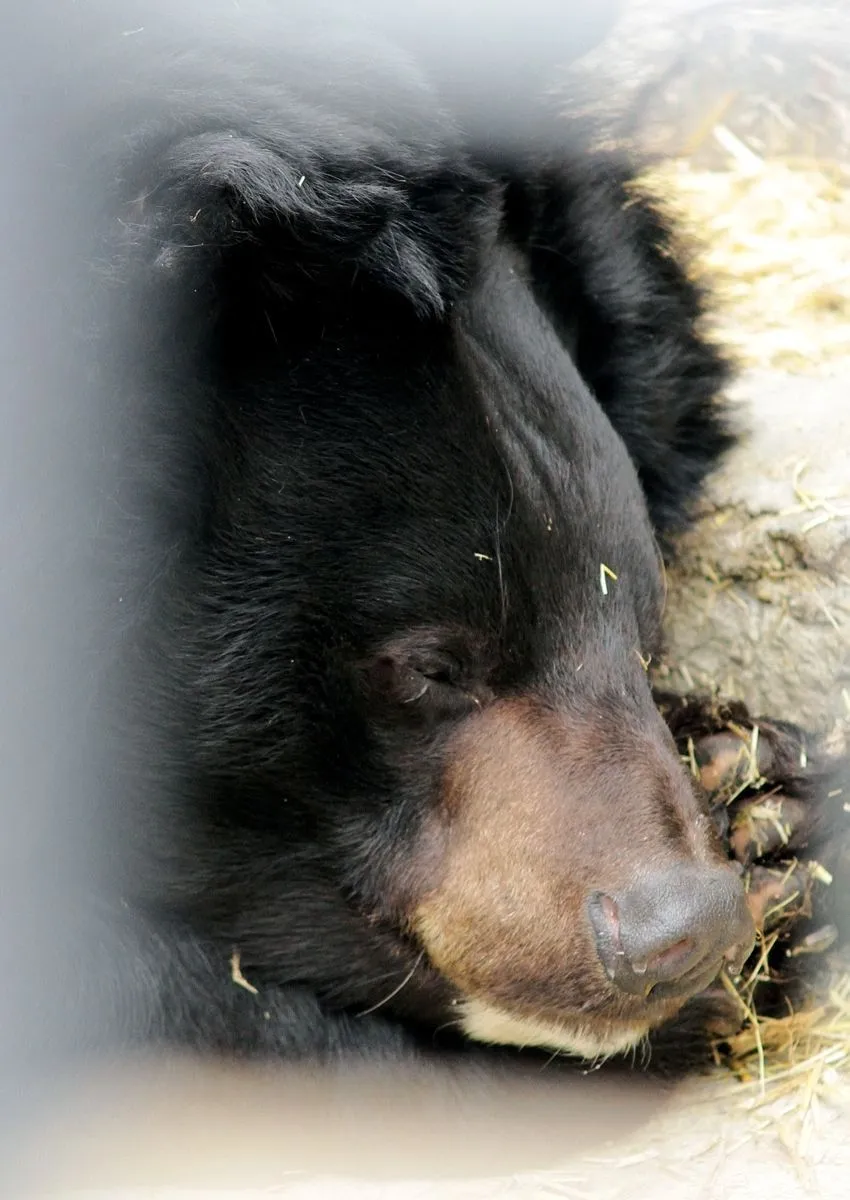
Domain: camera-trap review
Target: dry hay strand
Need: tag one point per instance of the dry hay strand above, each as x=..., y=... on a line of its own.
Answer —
x=774, y=243
x=793, y=1072
x=816, y=1035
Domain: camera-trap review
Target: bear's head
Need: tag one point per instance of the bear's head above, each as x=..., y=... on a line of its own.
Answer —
x=409, y=610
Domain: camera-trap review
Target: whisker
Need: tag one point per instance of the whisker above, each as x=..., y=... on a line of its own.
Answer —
x=500, y=526
x=456, y=1023
x=498, y=545
x=395, y=991
x=646, y=1052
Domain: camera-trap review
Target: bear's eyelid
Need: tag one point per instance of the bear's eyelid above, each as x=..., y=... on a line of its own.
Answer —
x=444, y=670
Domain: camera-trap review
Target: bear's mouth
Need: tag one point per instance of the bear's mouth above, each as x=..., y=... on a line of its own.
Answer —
x=599, y=1024
x=608, y=1025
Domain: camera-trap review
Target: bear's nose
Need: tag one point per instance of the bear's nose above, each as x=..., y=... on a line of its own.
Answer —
x=668, y=935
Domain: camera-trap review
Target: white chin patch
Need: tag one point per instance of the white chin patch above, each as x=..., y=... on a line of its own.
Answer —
x=482, y=1023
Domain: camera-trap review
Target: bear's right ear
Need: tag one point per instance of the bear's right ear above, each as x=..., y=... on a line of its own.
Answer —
x=275, y=216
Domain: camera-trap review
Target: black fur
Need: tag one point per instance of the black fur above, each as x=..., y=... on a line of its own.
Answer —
x=382, y=398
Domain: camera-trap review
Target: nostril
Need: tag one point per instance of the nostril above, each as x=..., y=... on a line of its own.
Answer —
x=605, y=921
x=612, y=916
x=605, y=918
x=667, y=962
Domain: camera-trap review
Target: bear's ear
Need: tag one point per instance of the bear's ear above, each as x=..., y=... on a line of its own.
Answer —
x=281, y=217
x=614, y=273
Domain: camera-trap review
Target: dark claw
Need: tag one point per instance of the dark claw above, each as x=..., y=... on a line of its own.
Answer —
x=779, y=895
x=730, y=761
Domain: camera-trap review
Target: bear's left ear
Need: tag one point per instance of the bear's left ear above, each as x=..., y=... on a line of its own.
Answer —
x=284, y=214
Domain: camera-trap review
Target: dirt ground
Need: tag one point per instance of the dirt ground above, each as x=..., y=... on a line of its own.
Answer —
x=759, y=602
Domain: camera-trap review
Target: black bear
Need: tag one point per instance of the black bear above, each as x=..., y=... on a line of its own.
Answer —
x=407, y=417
